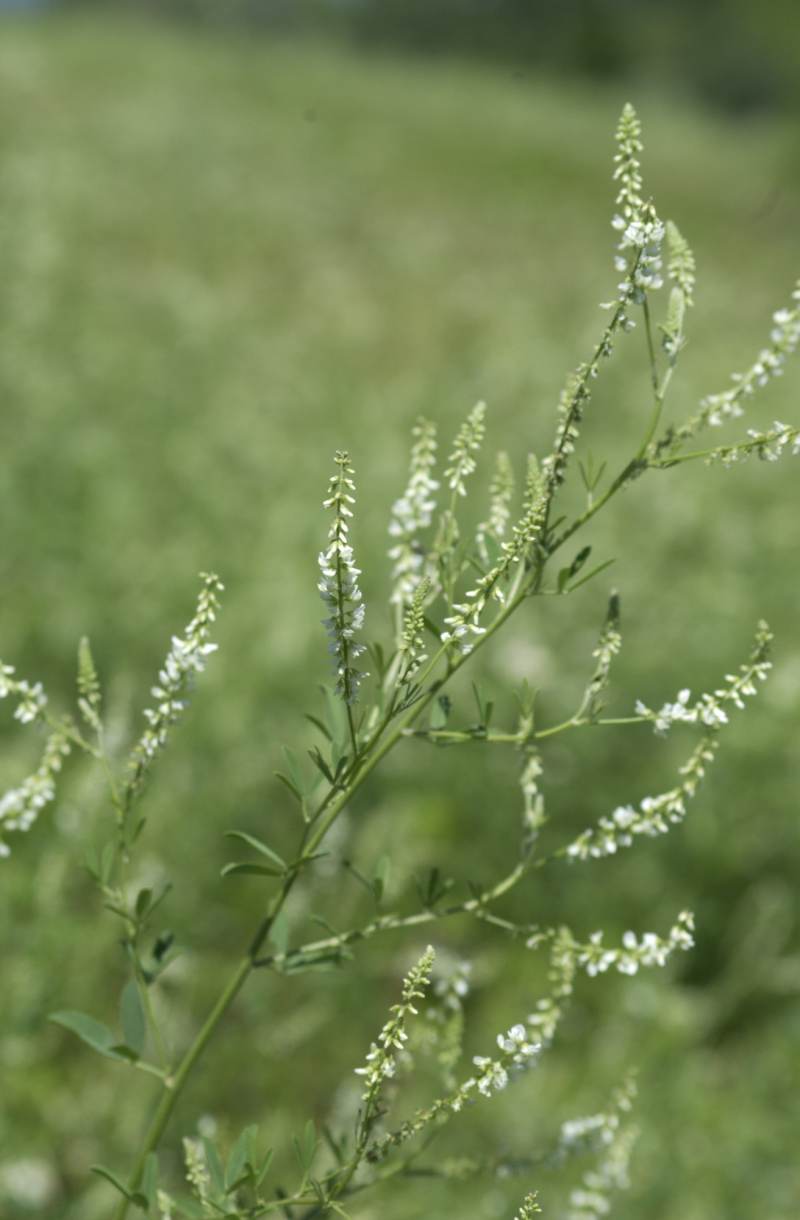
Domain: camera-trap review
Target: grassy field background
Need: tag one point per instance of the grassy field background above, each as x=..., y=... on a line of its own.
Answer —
x=221, y=259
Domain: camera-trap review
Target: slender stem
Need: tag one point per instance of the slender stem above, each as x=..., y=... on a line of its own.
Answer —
x=462, y=737
x=658, y=390
x=391, y=923
x=174, y=1086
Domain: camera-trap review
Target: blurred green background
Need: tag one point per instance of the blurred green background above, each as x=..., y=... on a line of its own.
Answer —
x=230, y=246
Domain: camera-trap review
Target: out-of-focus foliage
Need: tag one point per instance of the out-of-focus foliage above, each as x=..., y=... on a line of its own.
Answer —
x=737, y=55
x=221, y=260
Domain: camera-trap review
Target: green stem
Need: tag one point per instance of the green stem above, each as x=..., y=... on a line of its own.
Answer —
x=392, y=923
x=174, y=1086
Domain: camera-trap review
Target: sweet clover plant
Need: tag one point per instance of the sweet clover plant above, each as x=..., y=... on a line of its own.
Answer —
x=450, y=590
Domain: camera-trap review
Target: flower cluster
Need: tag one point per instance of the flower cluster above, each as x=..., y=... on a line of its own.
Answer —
x=544, y=1021
x=518, y=1053
x=643, y=237
x=465, y=622
x=572, y=404
x=445, y=1014
x=769, y=446
x=501, y=490
x=19, y=807
x=31, y=699
x=451, y=988
x=680, y=264
x=164, y=1204
x=784, y=338
x=651, y=950
x=339, y=584
x=628, y=170
x=608, y=646
x=382, y=1059
x=533, y=814
x=412, y=639
x=468, y=441
x=413, y=513
x=654, y=815
x=709, y=709
x=197, y=1174
x=614, y=1140
x=681, y=272
x=641, y=232
x=529, y=1209
x=185, y=659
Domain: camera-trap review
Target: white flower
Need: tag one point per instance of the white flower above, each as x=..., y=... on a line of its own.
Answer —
x=411, y=514
x=339, y=585
x=185, y=659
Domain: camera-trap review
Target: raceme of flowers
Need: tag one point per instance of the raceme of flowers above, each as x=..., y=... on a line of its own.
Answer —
x=185, y=659
x=381, y=1061
x=466, y=621
x=715, y=409
x=462, y=461
x=784, y=338
x=709, y=709
x=339, y=585
x=501, y=491
x=31, y=699
x=596, y=958
x=769, y=446
x=654, y=815
x=19, y=807
x=650, y=950
x=529, y=1208
x=412, y=513
x=614, y=1139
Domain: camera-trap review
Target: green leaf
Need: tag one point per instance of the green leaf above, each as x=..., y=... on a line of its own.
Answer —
x=279, y=932
x=134, y=1026
x=476, y=690
x=256, y=870
x=265, y=1164
x=324, y=959
x=142, y=904
x=306, y=1148
x=188, y=1207
x=257, y=844
x=239, y=1156
x=120, y=1051
x=321, y=764
x=566, y=574
x=337, y=721
x=135, y=1197
x=318, y=724
x=601, y=567
x=107, y=859
x=92, y=1032
x=381, y=877
x=440, y=712
x=295, y=791
x=214, y=1166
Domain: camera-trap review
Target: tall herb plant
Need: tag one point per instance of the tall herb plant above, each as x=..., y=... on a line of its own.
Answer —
x=451, y=590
